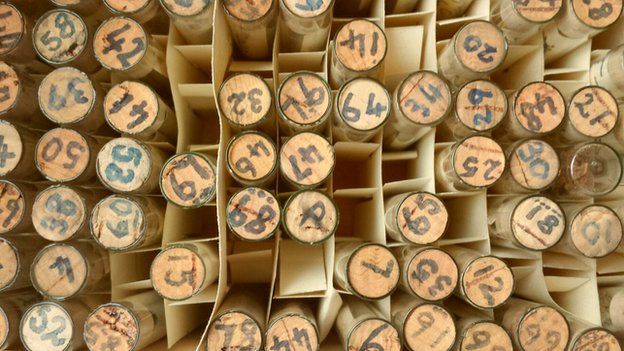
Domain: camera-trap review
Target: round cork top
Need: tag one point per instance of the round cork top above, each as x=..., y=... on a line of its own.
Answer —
x=537, y=11
x=360, y=45
x=10, y=263
x=432, y=274
x=422, y=218
x=534, y=164
x=310, y=217
x=363, y=104
x=124, y=164
x=487, y=282
x=245, y=99
x=304, y=98
x=596, y=231
x=372, y=271
x=480, y=46
x=66, y=2
x=295, y=330
x=59, y=36
x=66, y=95
x=307, y=9
x=538, y=223
x=12, y=29
x=593, y=111
x=247, y=11
x=11, y=148
x=243, y=332
x=596, y=169
x=62, y=155
x=120, y=43
x=481, y=105
x=598, y=14
x=479, y=161
x=539, y=107
x=543, y=328
x=486, y=336
x=253, y=214
x=5, y=327
x=11, y=87
x=177, y=273
x=596, y=339
x=251, y=157
x=424, y=98
x=111, y=325
x=46, y=326
x=59, y=212
x=188, y=180
x=127, y=6
x=131, y=107
x=12, y=206
x=59, y=271
x=430, y=327
x=307, y=159
x=374, y=331
x=118, y=222
x=185, y=8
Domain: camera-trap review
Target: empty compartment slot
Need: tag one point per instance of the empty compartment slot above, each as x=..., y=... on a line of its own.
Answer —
x=357, y=165
x=361, y=216
x=190, y=224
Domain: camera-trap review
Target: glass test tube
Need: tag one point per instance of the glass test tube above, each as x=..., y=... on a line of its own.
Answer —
x=417, y=218
x=19, y=90
x=12, y=308
x=476, y=332
x=310, y=217
x=83, y=7
x=612, y=308
x=246, y=102
x=16, y=45
x=305, y=102
x=292, y=325
x=305, y=25
x=16, y=201
x=593, y=113
x=252, y=158
x=253, y=26
x=189, y=180
x=16, y=256
x=593, y=231
x=193, y=19
x=520, y=20
x=588, y=336
x=17, y=153
x=608, y=72
x=360, y=325
x=307, y=160
x=253, y=214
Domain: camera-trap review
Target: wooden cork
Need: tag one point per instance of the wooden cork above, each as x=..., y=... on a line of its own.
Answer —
x=307, y=160
x=304, y=9
x=360, y=45
x=112, y=325
x=252, y=158
x=234, y=330
x=484, y=335
x=430, y=273
x=478, y=161
x=429, y=326
x=178, y=273
x=520, y=20
x=372, y=271
x=597, y=14
x=13, y=205
x=305, y=101
x=542, y=328
x=595, y=231
x=480, y=46
x=11, y=88
x=306, y=25
x=59, y=213
x=6, y=329
x=253, y=214
x=63, y=155
x=193, y=19
x=537, y=11
x=13, y=32
x=60, y=36
x=363, y=107
x=245, y=100
x=185, y=9
x=376, y=332
x=593, y=112
x=596, y=339
x=487, y=282
x=118, y=223
x=83, y=7
x=538, y=108
x=59, y=271
x=293, y=332
x=420, y=218
x=10, y=263
x=537, y=223
x=480, y=106
x=423, y=98
x=12, y=149
x=534, y=164
x=188, y=180
x=47, y=326
x=120, y=43
x=310, y=217
x=247, y=11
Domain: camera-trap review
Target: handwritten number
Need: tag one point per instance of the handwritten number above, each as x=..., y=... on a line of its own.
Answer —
x=473, y=43
x=63, y=265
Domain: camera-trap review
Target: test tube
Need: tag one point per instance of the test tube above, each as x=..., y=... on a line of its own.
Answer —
x=310, y=217
x=306, y=160
x=305, y=25
x=362, y=327
x=12, y=307
x=611, y=307
x=252, y=158
x=17, y=150
x=253, y=214
x=193, y=19
x=608, y=72
x=16, y=201
x=189, y=180
x=84, y=7
x=418, y=217
x=593, y=231
x=292, y=326
x=592, y=113
x=520, y=20
x=587, y=336
x=246, y=102
x=16, y=256
x=305, y=102
x=16, y=29
x=18, y=90
x=253, y=25
x=476, y=332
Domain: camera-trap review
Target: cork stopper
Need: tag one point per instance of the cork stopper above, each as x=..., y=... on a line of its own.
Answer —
x=307, y=159
x=253, y=214
x=5, y=327
x=432, y=274
x=304, y=97
x=11, y=148
x=11, y=87
x=422, y=218
x=177, y=273
x=538, y=223
x=247, y=11
x=538, y=11
x=66, y=95
x=245, y=99
x=293, y=332
x=596, y=339
x=360, y=45
x=127, y=6
x=188, y=180
x=111, y=325
x=60, y=36
x=59, y=213
x=596, y=231
x=487, y=282
x=13, y=29
x=481, y=105
x=363, y=104
x=596, y=169
x=187, y=8
x=62, y=155
x=597, y=14
x=131, y=107
x=118, y=223
x=251, y=157
x=10, y=263
x=59, y=271
x=480, y=46
x=372, y=271
x=485, y=335
x=424, y=98
x=430, y=327
x=539, y=107
x=234, y=330
x=310, y=217
x=479, y=161
x=120, y=43
x=593, y=111
x=124, y=164
x=12, y=206
x=307, y=9
x=46, y=326
x=374, y=331
x=534, y=164
x=543, y=328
